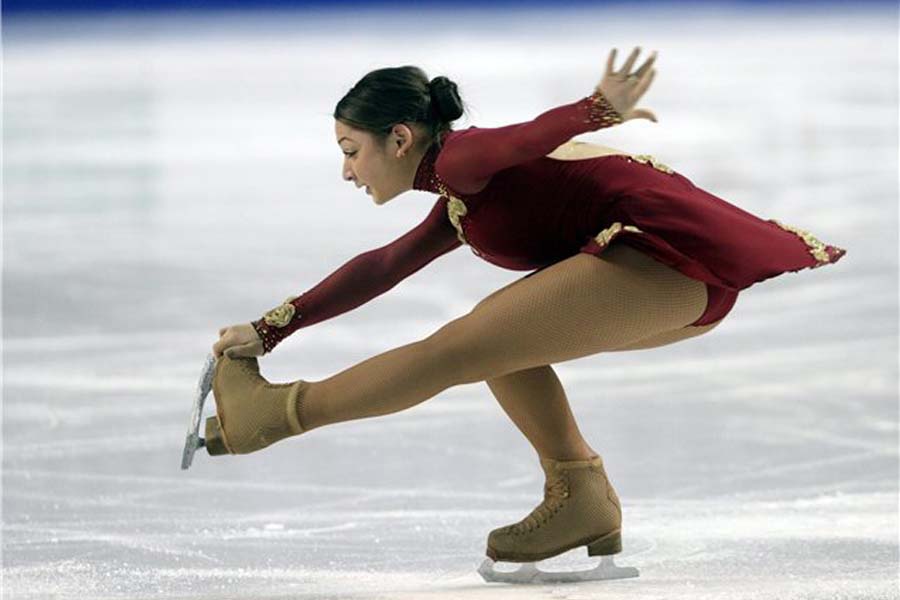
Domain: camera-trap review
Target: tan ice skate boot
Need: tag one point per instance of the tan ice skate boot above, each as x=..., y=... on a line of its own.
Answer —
x=251, y=413
x=580, y=508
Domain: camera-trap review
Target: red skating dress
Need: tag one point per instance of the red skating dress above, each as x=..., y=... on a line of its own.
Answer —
x=518, y=209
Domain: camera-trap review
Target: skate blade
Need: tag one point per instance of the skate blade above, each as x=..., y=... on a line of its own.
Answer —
x=529, y=573
x=204, y=385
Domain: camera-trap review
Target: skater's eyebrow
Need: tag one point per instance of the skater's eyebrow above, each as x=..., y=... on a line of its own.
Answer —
x=343, y=138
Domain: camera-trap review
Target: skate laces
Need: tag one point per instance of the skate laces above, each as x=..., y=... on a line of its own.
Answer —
x=555, y=493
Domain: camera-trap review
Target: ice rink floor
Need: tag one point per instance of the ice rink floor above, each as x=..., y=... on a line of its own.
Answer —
x=169, y=176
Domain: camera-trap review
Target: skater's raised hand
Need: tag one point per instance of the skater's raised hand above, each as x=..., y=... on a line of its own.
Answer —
x=623, y=88
x=238, y=341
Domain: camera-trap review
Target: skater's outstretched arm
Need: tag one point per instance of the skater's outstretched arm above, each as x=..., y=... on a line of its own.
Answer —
x=357, y=281
x=468, y=161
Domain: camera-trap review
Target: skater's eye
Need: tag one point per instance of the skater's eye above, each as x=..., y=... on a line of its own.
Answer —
x=349, y=153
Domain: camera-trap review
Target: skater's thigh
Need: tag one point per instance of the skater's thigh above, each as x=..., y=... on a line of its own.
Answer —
x=669, y=337
x=579, y=306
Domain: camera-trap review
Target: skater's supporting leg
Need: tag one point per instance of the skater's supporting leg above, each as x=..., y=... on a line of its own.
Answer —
x=577, y=307
x=535, y=401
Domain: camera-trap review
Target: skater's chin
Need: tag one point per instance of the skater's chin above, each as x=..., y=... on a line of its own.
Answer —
x=379, y=200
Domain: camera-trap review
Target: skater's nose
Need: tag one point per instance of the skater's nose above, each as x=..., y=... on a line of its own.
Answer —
x=346, y=173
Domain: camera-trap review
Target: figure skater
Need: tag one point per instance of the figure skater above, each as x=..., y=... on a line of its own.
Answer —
x=625, y=253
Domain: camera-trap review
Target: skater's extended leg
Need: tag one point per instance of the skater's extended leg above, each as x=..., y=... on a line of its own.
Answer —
x=535, y=401
x=669, y=337
x=577, y=307
x=386, y=383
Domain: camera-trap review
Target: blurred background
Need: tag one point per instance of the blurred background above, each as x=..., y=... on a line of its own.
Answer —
x=170, y=168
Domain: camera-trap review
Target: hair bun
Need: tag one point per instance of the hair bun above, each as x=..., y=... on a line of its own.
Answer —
x=445, y=99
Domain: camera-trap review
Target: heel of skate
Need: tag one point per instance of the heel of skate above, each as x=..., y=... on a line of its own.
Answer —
x=215, y=443
x=610, y=543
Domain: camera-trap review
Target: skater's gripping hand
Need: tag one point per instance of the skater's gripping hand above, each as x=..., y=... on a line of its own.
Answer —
x=238, y=341
x=623, y=88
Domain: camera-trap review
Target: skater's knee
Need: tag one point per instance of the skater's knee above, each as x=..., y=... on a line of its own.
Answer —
x=447, y=347
x=467, y=356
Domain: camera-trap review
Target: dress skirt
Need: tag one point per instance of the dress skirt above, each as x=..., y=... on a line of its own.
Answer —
x=708, y=238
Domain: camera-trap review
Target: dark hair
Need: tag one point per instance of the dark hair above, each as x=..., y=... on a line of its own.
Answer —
x=385, y=97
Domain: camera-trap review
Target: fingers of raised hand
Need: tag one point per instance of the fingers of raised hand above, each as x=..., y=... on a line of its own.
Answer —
x=644, y=68
x=625, y=71
x=644, y=83
x=629, y=62
x=623, y=88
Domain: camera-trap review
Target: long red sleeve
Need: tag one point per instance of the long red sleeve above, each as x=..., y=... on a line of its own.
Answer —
x=367, y=275
x=466, y=163
x=473, y=155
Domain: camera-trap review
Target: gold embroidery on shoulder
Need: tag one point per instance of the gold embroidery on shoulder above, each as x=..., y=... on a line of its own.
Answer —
x=649, y=159
x=604, y=237
x=815, y=246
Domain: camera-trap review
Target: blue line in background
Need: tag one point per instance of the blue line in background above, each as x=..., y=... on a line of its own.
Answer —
x=86, y=6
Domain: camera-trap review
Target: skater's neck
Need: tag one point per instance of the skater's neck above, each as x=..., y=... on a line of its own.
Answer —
x=426, y=178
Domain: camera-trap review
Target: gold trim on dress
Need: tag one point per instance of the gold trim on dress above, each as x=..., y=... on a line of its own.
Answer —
x=282, y=314
x=456, y=209
x=815, y=246
x=651, y=160
x=604, y=237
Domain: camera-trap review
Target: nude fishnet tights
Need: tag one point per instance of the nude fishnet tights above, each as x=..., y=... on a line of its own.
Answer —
x=577, y=307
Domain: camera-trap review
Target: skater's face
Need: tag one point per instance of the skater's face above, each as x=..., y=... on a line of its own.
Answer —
x=386, y=168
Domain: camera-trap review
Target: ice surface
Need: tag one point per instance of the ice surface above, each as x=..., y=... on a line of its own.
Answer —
x=169, y=176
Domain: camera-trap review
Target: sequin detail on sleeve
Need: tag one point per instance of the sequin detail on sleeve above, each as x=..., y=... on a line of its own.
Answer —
x=815, y=246
x=267, y=334
x=601, y=112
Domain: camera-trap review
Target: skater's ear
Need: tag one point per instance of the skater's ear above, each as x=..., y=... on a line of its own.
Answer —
x=403, y=138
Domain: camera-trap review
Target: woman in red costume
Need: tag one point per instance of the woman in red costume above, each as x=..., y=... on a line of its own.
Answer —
x=624, y=253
